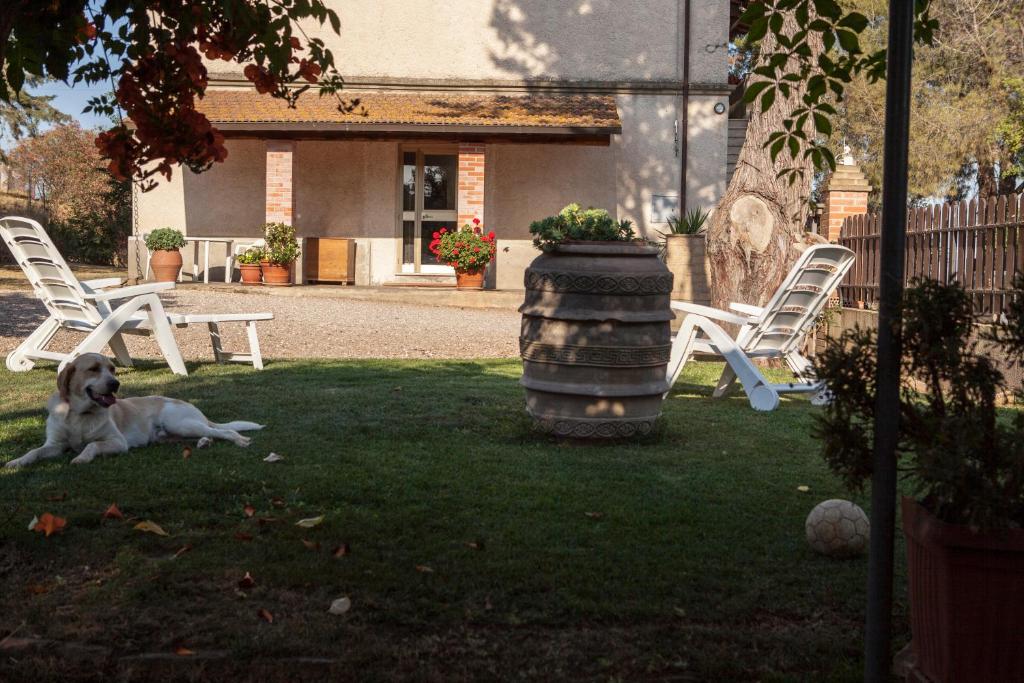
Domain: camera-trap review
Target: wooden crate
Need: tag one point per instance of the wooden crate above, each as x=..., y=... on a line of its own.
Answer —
x=330, y=260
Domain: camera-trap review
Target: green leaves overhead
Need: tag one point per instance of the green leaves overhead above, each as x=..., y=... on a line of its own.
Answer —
x=808, y=128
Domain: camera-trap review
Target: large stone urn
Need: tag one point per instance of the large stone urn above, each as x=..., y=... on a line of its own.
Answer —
x=595, y=339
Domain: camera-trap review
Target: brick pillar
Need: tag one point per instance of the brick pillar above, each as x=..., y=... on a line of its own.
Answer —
x=845, y=194
x=280, y=198
x=472, y=159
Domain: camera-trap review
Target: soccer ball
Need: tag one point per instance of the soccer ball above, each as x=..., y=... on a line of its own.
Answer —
x=838, y=528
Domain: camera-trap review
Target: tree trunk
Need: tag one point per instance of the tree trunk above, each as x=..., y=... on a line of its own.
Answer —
x=757, y=230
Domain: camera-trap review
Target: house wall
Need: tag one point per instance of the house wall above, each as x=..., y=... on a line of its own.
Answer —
x=583, y=40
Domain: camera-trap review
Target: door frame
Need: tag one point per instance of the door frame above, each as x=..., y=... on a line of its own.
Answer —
x=420, y=150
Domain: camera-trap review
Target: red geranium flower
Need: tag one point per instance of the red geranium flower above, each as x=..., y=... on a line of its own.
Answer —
x=444, y=230
x=490, y=235
x=437, y=235
x=476, y=221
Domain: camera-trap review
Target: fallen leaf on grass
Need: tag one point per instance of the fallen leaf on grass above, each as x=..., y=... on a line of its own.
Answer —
x=341, y=551
x=186, y=453
x=594, y=515
x=246, y=582
x=183, y=652
x=310, y=522
x=340, y=606
x=58, y=498
x=49, y=524
x=266, y=616
x=803, y=489
x=37, y=589
x=424, y=569
x=475, y=545
x=32, y=524
x=242, y=536
x=113, y=512
x=273, y=457
x=277, y=502
x=312, y=545
x=181, y=551
x=151, y=527
x=249, y=510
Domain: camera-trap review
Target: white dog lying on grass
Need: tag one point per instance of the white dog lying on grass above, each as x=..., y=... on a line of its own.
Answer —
x=87, y=417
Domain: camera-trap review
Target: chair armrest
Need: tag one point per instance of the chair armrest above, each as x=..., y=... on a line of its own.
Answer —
x=712, y=313
x=746, y=309
x=130, y=292
x=101, y=283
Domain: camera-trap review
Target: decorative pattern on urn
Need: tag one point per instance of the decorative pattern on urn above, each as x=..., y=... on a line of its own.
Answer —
x=569, y=354
x=599, y=283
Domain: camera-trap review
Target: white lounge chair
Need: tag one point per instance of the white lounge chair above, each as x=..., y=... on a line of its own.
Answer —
x=86, y=307
x=773, y=331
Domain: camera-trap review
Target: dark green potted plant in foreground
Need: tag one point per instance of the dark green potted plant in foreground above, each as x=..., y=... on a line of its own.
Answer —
x=963, y=463
x=165, y=258
x=595, y=338
x=281, y=252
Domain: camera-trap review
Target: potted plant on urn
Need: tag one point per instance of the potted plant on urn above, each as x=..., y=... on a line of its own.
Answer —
x=249, y=265
x=962, y=459
x=468, y=251
x=686, y=255
x=280, y=254
x=595, y=336
x=165, y=258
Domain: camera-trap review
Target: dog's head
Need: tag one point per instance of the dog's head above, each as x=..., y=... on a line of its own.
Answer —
x=88, y=381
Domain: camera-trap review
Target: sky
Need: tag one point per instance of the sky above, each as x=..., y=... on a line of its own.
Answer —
x=72, y=101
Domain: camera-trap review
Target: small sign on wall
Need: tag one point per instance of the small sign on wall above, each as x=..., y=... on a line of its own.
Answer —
x=663, y=207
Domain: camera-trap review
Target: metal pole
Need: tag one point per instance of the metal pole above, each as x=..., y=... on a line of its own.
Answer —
x=878, y=627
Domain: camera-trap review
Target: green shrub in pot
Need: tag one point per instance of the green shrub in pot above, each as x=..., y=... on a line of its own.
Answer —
x=165, y=239
x=576, y=224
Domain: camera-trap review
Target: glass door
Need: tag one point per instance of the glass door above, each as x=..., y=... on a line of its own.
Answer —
x=429, y=203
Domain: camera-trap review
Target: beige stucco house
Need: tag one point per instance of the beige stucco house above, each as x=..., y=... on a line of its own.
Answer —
x=505, y=110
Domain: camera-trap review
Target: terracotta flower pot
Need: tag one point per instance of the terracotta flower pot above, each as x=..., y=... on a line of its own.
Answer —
x=277, y=275
x=469, y=280
x=165, y=264
x=966, y=592
x=250, y=273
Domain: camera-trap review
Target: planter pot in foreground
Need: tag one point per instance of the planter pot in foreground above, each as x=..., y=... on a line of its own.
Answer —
x=165, y=264
x=250, y=273
x=276, y=275
x=469, y=280
x=595, y=339
x=966, y=599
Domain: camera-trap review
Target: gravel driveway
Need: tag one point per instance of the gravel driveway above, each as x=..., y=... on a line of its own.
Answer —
x=304, y=327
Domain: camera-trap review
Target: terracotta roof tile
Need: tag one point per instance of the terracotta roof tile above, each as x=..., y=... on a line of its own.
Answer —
x=413, y=108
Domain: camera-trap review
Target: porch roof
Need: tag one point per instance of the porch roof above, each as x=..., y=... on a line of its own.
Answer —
x=405, y=113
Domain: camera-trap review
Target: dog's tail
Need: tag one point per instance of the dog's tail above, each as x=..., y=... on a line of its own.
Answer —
x=238, y=426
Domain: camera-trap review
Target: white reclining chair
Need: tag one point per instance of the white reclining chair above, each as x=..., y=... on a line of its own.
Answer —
x=86, y=307
x=773, y=331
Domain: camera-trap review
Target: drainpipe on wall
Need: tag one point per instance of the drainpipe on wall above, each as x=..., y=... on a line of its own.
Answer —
x=684, y=116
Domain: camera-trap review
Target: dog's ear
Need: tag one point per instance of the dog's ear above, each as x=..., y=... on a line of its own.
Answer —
x=64, y=381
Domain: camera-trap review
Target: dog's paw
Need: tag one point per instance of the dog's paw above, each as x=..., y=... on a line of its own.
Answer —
x=243, y=441
x=13, y=464
x=83, y=459
x=204, y=442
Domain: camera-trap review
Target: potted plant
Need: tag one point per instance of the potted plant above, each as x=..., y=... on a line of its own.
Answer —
x=468, y=251
x=595, y=336
x=249, y=265
x=687, y=257
x=963, y=464
x=165, y=257
x=281, y=252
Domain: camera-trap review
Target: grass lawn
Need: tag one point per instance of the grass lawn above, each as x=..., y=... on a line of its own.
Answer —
x=478, y=548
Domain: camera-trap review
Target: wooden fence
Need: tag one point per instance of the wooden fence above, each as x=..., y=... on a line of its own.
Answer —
x=978, y=243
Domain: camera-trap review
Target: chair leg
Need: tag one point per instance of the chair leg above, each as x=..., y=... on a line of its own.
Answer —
x=726, y=381
x=218, y=349
x=17, y=360
x=759, y=392
x=682, y=349
x=254, y=344
x=120, y=350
